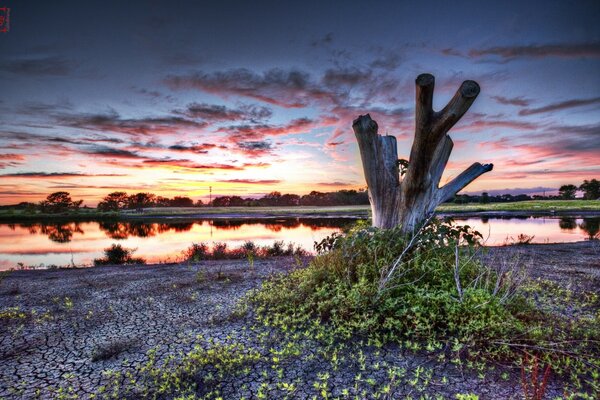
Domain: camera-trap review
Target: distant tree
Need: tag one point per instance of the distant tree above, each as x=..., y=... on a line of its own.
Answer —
x=485, y=198
x=591, y=189
x=140, y=200
x=222, y=201
x=113, y=201
x=181, y=201
x=199, y=203
x=289, y=200
x=161, y=201
x=567, y=192
x=522, y=197
x=58, y=202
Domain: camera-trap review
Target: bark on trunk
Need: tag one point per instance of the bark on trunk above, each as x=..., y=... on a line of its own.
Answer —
x=410, y=201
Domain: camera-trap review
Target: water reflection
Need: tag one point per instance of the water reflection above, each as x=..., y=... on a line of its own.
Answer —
x=61, y=232
x=57, y=232
x=35, y=243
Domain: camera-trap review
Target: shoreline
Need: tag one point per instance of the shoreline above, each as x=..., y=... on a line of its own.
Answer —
x=253, y=214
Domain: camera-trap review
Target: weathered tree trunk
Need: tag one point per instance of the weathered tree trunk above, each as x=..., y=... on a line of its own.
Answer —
x=410, y=201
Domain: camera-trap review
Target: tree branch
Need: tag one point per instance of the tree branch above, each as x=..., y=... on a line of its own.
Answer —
x=440, y=159
x=365, y=130
x=424, y=101
x=456, y=107
x=462, y=180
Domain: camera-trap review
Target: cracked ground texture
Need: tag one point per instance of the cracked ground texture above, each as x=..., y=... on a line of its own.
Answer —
x=61, y=330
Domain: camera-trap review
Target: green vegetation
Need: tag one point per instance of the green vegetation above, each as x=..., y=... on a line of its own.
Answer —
x=534, y=206
x=200, y=251
x=118, y=255
x=427, y=292
x=90, y=214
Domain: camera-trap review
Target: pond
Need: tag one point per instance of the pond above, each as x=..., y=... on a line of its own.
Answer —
x=65, y=243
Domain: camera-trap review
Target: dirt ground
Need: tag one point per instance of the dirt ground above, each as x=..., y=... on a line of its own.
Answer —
x=63, y=328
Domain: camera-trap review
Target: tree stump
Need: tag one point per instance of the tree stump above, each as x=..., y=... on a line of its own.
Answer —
x=410, y=200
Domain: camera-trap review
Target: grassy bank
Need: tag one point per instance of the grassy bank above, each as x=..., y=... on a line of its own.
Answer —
x=534, y=207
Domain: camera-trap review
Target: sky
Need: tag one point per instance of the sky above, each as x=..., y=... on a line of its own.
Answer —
x=250, y=97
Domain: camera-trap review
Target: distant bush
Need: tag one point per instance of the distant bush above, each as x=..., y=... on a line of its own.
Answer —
x=118, y=255
x=200, y=251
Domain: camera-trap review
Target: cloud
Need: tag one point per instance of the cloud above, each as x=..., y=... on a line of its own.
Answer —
x=482, y=123
x=255, y=148
x=387, y=61
x=560, y=106
x=38, y=66
x=201, y=148
x=276, y=86
x=336, y=184
x=36, y=175
x=111, y=152
x=253, y=181
x=112, y=122
x=11, y=160
x=189, y=164
x=12, y=157
x=538, y=51
x=214, y=112
x=513, y=101
x=515, y=191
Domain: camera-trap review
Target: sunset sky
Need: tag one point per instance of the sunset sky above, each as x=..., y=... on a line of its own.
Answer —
x=255, y=96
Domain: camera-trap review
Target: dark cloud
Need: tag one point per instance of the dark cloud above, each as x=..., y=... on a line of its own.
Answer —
x=512, y=101
x=201, y=148
x=112, y=122
x=337, y=78
x=538, y=51
x=214, y=112
x=111, y=152
x=257, y=132
x=255, y=148
x=560, y=106
x=276, y=86
x=38, y=66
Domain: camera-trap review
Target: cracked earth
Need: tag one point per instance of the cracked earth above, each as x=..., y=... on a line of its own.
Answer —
x=62, y=329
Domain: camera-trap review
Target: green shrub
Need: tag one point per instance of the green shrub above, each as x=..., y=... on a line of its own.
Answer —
x=118, y=255
x=356, y=288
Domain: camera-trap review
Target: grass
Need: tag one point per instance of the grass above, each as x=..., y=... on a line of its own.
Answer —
x=529, y=206
x=534, y=206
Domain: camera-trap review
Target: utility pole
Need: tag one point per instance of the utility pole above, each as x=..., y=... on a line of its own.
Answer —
x=210, y=196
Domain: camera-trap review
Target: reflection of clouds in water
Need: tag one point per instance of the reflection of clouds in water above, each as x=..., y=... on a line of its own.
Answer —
x=57, y=243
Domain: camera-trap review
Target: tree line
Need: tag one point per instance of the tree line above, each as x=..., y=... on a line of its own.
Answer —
x=590, y=189
x=60, y=202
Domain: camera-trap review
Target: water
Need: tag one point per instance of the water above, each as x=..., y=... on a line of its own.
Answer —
x=51, y=243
